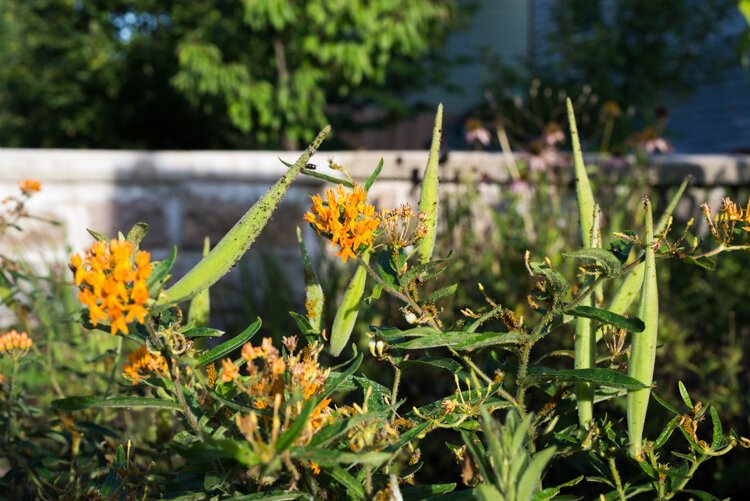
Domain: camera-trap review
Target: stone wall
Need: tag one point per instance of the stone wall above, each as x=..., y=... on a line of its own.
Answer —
x=185, y=196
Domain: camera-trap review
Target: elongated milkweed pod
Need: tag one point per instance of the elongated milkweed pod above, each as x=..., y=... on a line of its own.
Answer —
x=200, y=305
x=584, y=195
x=429, y=194
x=588, y=212
x=238, y=240
x=314, y=298
x=643, y=350
x=346, y=315
x=585, y=342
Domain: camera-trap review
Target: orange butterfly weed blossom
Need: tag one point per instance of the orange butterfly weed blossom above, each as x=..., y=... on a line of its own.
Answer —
x=346, y=218
x=112, y=283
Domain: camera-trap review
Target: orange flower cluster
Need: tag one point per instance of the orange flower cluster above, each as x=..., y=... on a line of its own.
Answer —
x=15, y=345
x=347, y=219
x=292, y=374
x=112, y=283
x=142, y=362
x=29, y=186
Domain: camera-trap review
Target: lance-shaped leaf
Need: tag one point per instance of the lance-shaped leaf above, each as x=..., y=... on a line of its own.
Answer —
x=242, y=235
x=200, y=305
x=428, y=197
x=597, y=377
x=643, y=350
x=228, y=347
x=314, y=298
x=136, y=233
x=346, y=315
x=628, y=291
x=607, y=317
x=80, y=403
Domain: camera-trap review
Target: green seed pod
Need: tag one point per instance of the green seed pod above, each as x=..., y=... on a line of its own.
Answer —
x=583, y=187
x=429, y=195
x=585, y=343
x=238, y=240
x=200, y=305
x=346, y=315
x=643, y=350
x=314, y=298
x=588, y=212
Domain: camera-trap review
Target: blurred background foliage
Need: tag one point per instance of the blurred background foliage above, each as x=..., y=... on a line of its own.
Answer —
x=216, y=74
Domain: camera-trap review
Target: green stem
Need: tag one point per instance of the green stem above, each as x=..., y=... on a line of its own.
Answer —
x=693, y=467
x=11, y=396
x=418, y=310
x=616, y=477
x=394, y=390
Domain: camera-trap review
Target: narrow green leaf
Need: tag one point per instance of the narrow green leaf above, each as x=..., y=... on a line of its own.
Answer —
x=136, y=233
x=98, y=236
x=424, y=271
x=488, y=492
x=160, y=273
x=228, y=347
x=374, y=175
x=552, y=492
x=666, y=433
x=321, y=176
x=346, y=315
x=80, y=403
x=424, y=492
x=429, y=195
x=643, y=350
x=607, y=317
x=443, y=363
x=684, y=394
x=441, y=294
x=200, y=305
x=314, y=297
x=287, y=438
x=532, y=476
x=202, y=332
x=386, y=269
x=271, y=496
x=597, y=376
x=353, y=486
x=718, y=436
x=463, y=340
x=239, y=239
x=703, y=262
x=325, y=457
x=608, y=263
x=671, y=408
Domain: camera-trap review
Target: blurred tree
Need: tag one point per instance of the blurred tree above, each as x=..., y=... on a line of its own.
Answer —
x=219, y=73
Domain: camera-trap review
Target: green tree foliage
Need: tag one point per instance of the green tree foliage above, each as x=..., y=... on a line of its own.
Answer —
x=220, y=73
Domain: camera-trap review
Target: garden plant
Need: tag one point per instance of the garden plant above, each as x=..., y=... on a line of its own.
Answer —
x=158, y=404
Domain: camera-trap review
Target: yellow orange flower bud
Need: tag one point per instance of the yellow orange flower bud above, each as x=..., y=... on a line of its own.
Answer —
x=15, y=345
x=29, y=186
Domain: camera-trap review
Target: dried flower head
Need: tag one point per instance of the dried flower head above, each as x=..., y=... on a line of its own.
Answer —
x=142, y=363
x=112, y=282
x=229, y=371
x=402, y=227
x=282, y=384
x=15, y=345
x=346, y=218
x=29, y=186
